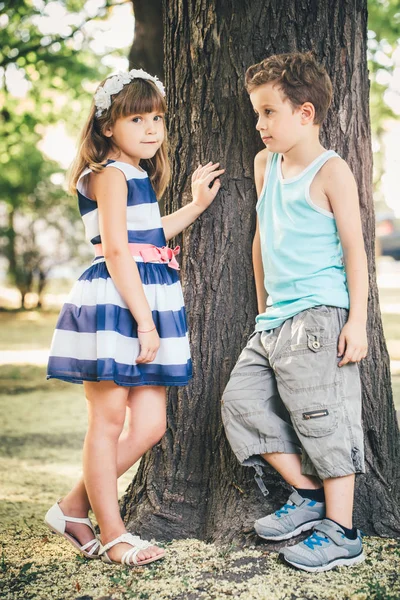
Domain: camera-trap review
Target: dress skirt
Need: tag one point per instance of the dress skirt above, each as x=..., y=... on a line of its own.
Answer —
x=96, y=335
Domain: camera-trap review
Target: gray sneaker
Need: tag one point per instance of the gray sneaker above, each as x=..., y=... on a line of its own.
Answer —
x=326, y=548
x=297, y=515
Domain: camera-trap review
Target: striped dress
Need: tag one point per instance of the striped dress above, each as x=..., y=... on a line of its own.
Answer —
x=96, y=336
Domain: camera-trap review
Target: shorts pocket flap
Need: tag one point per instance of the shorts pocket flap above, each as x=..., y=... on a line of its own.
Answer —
x=317, y=421
x=314, y=338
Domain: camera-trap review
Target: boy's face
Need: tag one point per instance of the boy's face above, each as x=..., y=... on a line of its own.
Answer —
x=281, y=125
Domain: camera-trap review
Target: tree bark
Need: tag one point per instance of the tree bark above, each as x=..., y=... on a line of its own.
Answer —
x=147, y=48
x=191, y=484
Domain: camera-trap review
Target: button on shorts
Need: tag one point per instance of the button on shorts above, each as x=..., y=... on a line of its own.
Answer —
x=287, y=394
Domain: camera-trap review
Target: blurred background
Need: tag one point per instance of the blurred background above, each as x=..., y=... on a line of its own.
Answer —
x=52, y=55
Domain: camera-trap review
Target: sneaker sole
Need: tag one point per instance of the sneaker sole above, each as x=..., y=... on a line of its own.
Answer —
x=339, y=562
x=291, y=534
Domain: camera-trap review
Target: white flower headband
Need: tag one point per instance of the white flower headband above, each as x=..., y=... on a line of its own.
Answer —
x=115, y=83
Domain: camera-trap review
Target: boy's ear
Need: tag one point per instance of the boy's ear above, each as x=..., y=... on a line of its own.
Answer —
x=307, y=113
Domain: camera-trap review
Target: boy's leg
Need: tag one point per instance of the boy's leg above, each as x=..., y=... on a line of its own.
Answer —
x=324, y=402
x=305, y=506
x=257, y=423
x=339, y=495
x=334, y=542
x=289, y=466
x=254, y=417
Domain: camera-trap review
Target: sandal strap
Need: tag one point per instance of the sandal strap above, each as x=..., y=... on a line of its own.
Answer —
x=96, y=545
x=66, y=518
x=127, y=538
x=130, y=557
x=84, y=520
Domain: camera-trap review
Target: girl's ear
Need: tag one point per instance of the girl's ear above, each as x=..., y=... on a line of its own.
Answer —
x=107, y=132
x=307, y=113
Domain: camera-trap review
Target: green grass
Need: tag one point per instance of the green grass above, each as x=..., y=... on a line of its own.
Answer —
x=42, y=433
x=391, y=327
x=396, y=391
x=43, y=427
x=42, y=420
x=26, y=330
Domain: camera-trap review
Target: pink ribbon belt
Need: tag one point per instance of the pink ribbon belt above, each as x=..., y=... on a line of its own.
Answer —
x=149, y=253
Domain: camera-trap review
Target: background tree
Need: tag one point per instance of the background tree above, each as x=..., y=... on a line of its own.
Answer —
x=190, y=484
x=57, y=72
x=383, y=41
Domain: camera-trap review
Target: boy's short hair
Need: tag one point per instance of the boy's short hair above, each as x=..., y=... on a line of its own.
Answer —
x=300, y=78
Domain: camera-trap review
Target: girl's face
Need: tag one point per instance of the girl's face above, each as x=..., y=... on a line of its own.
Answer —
x=137, y=136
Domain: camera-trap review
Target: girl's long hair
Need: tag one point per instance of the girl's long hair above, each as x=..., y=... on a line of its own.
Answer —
x=137, y=97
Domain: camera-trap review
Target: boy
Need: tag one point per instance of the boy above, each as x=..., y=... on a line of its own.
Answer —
x=294, y=395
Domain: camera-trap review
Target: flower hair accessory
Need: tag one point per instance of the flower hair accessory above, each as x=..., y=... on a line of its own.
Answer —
x=115, y=83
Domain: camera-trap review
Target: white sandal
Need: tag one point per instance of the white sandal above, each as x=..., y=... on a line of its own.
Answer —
x=129, y=557
x=56, y=521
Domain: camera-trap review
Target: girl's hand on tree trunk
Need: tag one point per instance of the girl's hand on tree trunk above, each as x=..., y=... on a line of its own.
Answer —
x=202, y=178
x=353, y=339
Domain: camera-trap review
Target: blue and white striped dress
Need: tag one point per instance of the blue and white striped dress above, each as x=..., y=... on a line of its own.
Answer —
x=96, y=335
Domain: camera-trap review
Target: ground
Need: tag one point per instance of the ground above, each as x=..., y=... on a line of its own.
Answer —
x=43, y=425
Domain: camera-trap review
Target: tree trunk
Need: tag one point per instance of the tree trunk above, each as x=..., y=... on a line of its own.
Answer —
x=190, y=484
x=147, y=48
x=42, y=276
x=10, y=250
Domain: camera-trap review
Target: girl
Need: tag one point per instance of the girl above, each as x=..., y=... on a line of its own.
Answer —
x=122, y=332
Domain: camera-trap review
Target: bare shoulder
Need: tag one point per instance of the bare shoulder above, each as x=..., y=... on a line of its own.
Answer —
x=336, y=172
x=260, y=160
x=108, y=179
x=337, y=183
x=260, y=163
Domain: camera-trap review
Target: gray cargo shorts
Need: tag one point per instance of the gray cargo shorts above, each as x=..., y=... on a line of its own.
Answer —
x=287, y=394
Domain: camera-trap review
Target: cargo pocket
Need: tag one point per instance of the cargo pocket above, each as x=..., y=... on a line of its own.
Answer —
x=314, y=339
x=308, y=365
x=317, y=421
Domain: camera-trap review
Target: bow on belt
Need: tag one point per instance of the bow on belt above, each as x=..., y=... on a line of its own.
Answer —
x=149, y=253
x=164, y=254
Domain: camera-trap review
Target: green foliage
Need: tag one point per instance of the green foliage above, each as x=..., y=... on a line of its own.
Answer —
x=384, y=37
x=54, y=66
x=58, y=70
x=384, y=20
x=376, y=591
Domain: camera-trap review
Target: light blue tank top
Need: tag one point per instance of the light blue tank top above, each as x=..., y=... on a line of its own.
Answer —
x=301, y=252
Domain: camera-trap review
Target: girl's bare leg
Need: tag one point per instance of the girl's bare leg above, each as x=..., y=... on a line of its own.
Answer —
x=146, y=425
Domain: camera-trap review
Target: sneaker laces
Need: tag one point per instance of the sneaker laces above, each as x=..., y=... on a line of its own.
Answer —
x=284, y=510
x=315, y=540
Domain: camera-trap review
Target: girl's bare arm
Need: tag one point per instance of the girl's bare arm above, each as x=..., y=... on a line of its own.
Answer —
x=109, y=189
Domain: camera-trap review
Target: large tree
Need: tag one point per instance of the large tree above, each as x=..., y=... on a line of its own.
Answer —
x=190, y=484
x=147, y=48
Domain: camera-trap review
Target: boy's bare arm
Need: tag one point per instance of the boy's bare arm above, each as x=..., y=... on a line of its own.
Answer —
x=260, y=163
x=341, y=190
x=259, y=273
